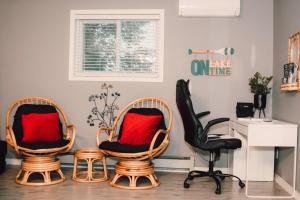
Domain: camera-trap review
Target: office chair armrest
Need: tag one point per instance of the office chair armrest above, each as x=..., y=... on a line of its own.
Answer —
x=214, y=122
x=202, y=114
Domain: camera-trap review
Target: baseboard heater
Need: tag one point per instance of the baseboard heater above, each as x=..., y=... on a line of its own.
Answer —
x=161, y=163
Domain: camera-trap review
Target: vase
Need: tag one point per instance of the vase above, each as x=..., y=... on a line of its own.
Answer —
x=260, y=101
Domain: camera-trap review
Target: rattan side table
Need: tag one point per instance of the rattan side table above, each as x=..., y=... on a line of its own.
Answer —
x=91, y=156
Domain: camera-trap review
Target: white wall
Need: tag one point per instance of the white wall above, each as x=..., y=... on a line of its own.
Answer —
x=34, y=41
x=286, y=105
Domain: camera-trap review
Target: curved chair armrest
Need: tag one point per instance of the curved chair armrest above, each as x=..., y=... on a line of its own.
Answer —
x=214, y=122
x=71, y=128
x=111, y=134
x=10, y=138
x=166, y=132
x=202, y=114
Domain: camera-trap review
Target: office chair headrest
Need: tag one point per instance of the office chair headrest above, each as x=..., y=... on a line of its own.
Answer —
x=184, y=85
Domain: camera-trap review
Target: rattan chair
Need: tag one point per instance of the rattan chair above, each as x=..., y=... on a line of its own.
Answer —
x=134, y=165
x=40, y=159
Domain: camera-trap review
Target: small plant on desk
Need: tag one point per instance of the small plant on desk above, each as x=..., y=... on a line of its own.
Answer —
x=104, y=107
x=259, y=86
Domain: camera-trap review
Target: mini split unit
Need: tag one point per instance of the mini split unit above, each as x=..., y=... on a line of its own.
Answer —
x=209, y=8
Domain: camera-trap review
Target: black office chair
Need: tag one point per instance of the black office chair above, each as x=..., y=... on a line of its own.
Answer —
x=198, y=137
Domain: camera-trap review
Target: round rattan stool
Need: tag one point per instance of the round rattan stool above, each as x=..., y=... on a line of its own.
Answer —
x=133, y=170
x=91, y=156
x=44, y=165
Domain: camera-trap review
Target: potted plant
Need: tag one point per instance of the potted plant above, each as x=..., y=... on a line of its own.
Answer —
x=259, y=86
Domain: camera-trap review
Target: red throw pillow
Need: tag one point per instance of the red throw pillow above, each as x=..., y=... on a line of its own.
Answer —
x=40, y=127
x=139, y=129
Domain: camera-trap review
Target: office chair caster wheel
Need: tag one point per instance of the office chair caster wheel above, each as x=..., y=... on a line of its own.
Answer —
x=186, y=185
x=241, y=184
x=218, y=191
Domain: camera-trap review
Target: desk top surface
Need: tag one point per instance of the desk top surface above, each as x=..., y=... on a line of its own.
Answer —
x=262, y=122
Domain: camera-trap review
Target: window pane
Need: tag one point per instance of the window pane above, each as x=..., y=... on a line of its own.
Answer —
x=99, y=46
x=138, y=46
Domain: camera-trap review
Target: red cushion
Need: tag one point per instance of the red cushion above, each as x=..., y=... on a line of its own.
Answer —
x=40, y=127
x=139, y=129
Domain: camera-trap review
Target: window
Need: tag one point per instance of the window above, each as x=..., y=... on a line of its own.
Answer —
x=116, y=45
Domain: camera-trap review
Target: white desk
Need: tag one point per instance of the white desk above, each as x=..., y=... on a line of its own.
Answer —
x=259, y=139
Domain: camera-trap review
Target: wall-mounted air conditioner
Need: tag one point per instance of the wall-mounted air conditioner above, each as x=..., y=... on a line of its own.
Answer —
x=209, y=8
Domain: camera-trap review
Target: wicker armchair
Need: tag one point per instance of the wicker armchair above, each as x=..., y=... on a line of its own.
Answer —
x=137, y=162
x=39, y=158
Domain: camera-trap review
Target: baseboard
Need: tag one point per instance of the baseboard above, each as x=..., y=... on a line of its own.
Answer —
x=13, y=161
x=286, y=186
x=163, y=163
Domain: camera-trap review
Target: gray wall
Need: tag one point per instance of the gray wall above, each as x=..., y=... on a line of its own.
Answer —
x=285, y=105
x=34, y=42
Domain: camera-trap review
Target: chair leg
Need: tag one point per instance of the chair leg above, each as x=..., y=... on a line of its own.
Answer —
x=220, y=173
x=241, y=184
x=218, y=182
x=192, y=175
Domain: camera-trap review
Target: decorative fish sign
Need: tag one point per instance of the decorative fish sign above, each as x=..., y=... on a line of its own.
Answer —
x=223, y=51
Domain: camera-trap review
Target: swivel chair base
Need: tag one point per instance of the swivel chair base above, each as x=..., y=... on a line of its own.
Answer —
x=44, y=165
x=217, y=175
x=133, y=170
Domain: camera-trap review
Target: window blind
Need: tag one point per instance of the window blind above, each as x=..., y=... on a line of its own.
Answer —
x=118, y=46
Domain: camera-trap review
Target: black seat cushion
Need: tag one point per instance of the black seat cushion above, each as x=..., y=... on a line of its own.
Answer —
x=216, y=144
x=44, y=145
x=127, y=148
x=27, y=109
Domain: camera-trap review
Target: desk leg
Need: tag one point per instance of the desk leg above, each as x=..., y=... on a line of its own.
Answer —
x=295, y=169
x=247, y=170
x=273, y=197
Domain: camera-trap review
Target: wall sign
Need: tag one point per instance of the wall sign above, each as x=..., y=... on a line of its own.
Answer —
x=212, y=62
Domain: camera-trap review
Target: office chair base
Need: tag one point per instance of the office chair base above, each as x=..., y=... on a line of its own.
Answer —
x=217, y=175
x=133, y=170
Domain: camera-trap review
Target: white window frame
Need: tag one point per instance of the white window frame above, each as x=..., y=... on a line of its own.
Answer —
x=124, y=13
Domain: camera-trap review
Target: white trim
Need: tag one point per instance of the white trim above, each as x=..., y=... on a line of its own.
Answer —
x=116, y=78
x=117, y=12
x=286, y=186
x=111, y=14
x=117, y=16
x=161, y=45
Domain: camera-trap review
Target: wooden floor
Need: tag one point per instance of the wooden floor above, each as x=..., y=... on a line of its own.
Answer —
x=171, y=188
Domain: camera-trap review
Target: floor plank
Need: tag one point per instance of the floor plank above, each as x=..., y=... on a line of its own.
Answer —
x=171, y=188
